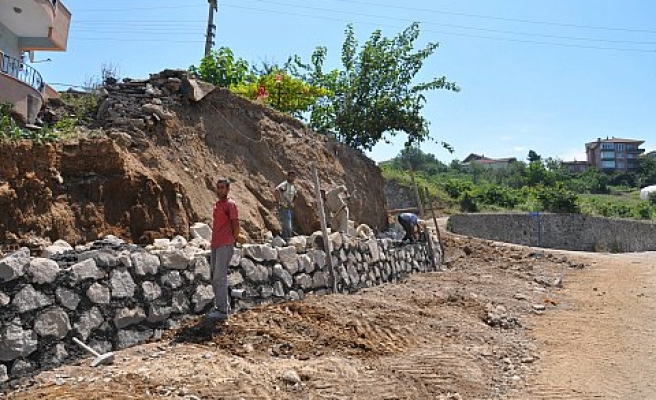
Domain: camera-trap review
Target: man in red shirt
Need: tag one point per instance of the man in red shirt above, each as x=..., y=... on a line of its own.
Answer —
x=225, y=231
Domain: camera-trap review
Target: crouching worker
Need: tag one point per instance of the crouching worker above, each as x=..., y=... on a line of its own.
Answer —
x=412, y=225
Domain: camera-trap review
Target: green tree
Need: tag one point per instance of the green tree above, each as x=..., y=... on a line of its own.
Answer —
x=222, y=69
x=288, y=94
x=533, y=156
x=419, y=160
x=374, y=95
x=646, y=171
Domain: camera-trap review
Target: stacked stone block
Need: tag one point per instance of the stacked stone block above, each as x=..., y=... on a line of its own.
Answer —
x=113, y=295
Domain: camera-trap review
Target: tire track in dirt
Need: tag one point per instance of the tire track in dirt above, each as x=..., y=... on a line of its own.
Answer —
x=601, y=345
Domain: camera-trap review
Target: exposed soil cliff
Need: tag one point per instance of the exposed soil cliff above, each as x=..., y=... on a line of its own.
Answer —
x=140, y=184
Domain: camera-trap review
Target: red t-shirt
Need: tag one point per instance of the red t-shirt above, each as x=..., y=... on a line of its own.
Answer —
x=224, y=212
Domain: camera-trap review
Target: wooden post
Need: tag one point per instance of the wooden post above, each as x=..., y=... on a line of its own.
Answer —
x=437, y=227
x=414, y=183
x=324, y=229
x=421, y=213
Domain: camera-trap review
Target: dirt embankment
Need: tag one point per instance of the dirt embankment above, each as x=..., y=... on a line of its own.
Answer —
x=142, y=185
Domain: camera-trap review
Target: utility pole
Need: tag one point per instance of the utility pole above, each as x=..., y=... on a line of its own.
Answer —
x=211, y=28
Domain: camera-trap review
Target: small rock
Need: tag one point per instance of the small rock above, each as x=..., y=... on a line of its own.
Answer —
x=290, y=376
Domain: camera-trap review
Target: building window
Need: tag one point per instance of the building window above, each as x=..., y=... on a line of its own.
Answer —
x=608, y=164
x=621, y=155
x=620, y=165
x=619, y=147
x=607, y=146
x=630, y=155
x=630, y=147
x=607, y=154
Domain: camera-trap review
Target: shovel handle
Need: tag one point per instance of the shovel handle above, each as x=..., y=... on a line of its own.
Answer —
x=84, y=346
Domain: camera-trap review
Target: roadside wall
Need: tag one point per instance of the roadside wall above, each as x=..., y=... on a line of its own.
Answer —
x=113, y=295
x=559, y=231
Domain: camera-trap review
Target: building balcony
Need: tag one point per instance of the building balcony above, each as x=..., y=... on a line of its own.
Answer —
x=22, y=86
x=36, y=24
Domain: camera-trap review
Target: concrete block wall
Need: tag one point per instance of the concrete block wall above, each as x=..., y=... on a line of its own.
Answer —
x=559, y=231
x=113, y=295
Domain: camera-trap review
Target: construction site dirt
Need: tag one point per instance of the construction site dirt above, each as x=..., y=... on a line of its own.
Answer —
x=502, y=321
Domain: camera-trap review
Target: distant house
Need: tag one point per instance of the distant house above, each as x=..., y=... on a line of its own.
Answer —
x=651, y=154
x=576, y=166
x=614, y=154
x=27, y=26
x=491, y=163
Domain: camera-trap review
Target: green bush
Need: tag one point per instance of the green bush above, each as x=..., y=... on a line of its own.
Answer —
x=468, y=203
x=643, y=211
x=557, y=199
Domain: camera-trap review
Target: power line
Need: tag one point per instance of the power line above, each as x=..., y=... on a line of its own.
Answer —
x=455, y=33
x=479, y=16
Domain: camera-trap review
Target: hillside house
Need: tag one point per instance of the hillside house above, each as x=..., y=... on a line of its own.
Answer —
x=614, y=154
x=27, y=26
x=486, y=162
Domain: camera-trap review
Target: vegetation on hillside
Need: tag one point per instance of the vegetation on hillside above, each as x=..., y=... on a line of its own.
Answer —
x=538, y=185
x=372, y=97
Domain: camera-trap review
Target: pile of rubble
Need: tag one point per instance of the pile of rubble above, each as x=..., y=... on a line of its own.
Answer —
x=115, y=295
x=139, y=104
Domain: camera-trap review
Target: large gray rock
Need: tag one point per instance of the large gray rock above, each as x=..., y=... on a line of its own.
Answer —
x=179, y=303
x=236, y=257
x=129, y=338
x=43, y=270
x=29, y=299
x=278, y=289
x=175, y=259
x=254, y=272
x=260, y=252
x=107, y=258
x=122, y=284
x=202, y=297
x=304, y=281
x=352, y=272
x=151, y=290
x=13, y=266
x=179, y=242
x=4, y=299
x=235, y=279
x=53, y=322
x=320, y=280
x=298, y=242
x=283, y=275
x=172, y=279
x=158, y=313
x=16, y=342
x=372, y=245
x=288, y=258
x=98, y=294
x=145, y=263
x=67, y=298
x=318, y=257
x=85, y=269
x=59, y=247
x=126, y=317
x=305, y=263
x=3, y=374
x=88, y=321
x=201, y=231
x=202, y=268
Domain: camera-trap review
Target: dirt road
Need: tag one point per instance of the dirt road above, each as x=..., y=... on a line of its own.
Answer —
x=496, y=324
x=602, y=343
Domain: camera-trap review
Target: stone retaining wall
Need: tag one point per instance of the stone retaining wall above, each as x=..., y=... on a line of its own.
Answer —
x=113, y=295
x=559, y=231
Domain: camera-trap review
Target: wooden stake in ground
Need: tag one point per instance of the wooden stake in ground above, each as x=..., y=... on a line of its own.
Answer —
x=421, y=213
x=431, y=202
x=324, y=229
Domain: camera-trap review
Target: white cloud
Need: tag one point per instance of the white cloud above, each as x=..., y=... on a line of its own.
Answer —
x=519, y=149
x=506, y=138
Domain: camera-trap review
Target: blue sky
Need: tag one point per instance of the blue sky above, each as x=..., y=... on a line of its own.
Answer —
x=535, y=74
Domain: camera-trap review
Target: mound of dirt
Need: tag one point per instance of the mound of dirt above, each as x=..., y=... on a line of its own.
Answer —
x=144, y=184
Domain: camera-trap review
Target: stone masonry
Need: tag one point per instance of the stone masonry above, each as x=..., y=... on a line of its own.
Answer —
x=114, y=295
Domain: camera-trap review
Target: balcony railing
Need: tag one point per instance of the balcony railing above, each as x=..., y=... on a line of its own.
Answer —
x=21, y=71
